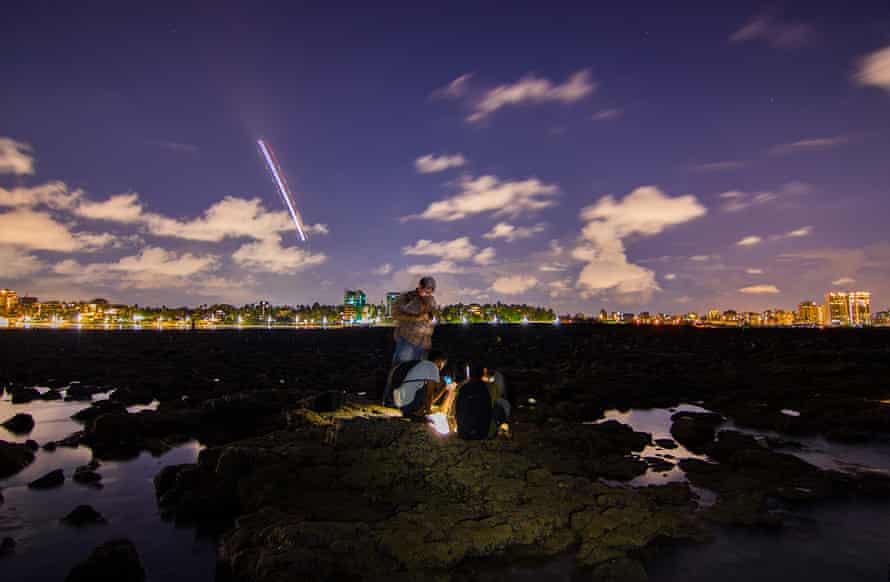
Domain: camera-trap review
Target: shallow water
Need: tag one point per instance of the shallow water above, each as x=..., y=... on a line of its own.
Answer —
x=47, y=549
x=841, y=540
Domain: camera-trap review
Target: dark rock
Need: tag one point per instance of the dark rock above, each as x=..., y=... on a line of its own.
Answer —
x=620, y=570
x=83, y=515
x=50, y=446
x=711, y=419
x=7, y=547
x=666, y=443
x=24, y=395
x=123, y=435
x=48, y=481
x=692, y=434
x=51, y=395
x=83, y=391
x=113, y=561
x=658, y=465
x=97, y=409
x=1, y=497
x=13, y=458
x=20, y=423
x=32, y=444
x=327, y=401
x=86, y=475
x=132, y=396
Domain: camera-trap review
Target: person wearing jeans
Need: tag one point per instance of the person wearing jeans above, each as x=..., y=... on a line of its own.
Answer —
x=413, y=312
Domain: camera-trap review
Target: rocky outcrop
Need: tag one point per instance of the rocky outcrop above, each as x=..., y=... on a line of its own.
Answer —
x=20, y=423
x=23, y=395
x=87, y=475
x=7, y=547
x=355, y=493
x=83, y=515
x=113, y=561
x=13, y=458
x=98, y=409
x=695, y=430
x=48, y=481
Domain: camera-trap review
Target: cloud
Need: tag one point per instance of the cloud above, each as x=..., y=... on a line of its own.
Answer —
x=152, y=268
x=874, y=69
x=810, y=144
x=843, y=281
x=560, y=288
x=15, y=263
x=231, y=217
x=124, y=208
x=760, y=290
x=532, y=89
x=719, y=166
x=554, y=267
x=52, y=194
x=736, y=200
x=749, y=241
x=510, y=233
x=646, y=211
x=489, y=194
x=317, y=228
x=455, y=250
x=268, y=256
x=455, y=89
x=514, y=285
x=753, y=271
x=485, y=256
x=670, y=276
x=430, y=163
x=802, y=231
x=777, y=34
x=15, y=157
x=607, y=114
x=28, y=229
x=444, y=266
x=476, y=294
x=384, y=269
x=700, y=258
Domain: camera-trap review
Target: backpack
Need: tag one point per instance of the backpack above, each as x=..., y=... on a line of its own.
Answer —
x=397, y=378
x=473, y=411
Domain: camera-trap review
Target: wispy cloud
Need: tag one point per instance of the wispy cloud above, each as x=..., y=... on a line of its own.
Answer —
x=384, y=269
x=760, y=290
x=718, y=166
x=153, y=268
x=810, y=144
x=736, y=200
x=455, y=89
x=749, y=241
x=490, y=194
x=798, y=232
x=754, y=271
x=16, y=263
x=874, y=69
x=269, y=256
x=843, y=281
x=431, y=163
x=670, y=276
x=610, y=114
x=440, y=267
x=510, y=233
x=774, y=32
x=15, y=157
x=485, y=257
x=532, y=89
x=454, y=250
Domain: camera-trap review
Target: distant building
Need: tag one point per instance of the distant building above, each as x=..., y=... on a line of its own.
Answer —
x=810, y=313
x=9, y=300
x=475, y=309
x=354, y=304
x=28, y=306
x=847, y=308
x=391, y=298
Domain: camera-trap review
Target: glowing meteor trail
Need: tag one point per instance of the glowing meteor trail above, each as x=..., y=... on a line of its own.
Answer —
x=283, y=188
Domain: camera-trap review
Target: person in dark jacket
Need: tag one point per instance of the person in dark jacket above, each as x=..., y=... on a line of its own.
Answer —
x=480, y=406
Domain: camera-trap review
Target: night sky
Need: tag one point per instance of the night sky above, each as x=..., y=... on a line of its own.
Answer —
x=662, y=156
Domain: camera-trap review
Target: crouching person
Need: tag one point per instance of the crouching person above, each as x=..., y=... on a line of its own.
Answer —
x=414, y=385
x=481, y=405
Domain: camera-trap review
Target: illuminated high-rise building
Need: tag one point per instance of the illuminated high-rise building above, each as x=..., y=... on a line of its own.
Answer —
x=860, y=308
x=9, y=299
x=391, y=298
x=810, y=313
x=354, y=303
x=837, y=308
x=848, y=308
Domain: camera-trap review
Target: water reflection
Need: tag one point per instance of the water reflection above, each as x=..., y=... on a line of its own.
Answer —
x=46, y=549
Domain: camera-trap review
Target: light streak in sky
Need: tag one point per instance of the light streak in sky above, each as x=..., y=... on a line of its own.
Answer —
x=283, y=188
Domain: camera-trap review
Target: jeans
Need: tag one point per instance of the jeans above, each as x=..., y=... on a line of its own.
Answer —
x=406, y=352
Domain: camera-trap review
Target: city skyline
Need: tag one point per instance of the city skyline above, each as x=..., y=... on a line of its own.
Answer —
x=685, y=158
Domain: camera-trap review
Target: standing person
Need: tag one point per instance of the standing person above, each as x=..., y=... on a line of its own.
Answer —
x=413, y=312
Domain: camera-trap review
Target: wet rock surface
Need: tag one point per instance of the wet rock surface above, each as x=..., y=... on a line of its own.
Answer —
x=7, y=546
x=20, y=423
x=113, y=561
x=50, y=480
x=13, y=458
x=83, y=515
x=302, y=488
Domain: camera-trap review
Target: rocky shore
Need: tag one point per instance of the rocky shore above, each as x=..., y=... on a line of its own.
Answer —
x=305, y=478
